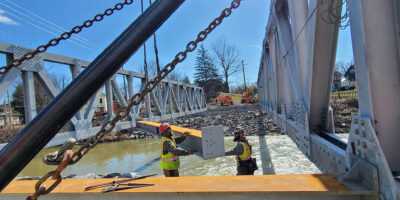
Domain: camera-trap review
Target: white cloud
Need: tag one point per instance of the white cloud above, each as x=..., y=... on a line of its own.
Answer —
x=6, y=20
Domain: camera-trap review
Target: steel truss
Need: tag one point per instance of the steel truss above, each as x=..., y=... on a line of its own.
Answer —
x=169, y=100
x=295, y=79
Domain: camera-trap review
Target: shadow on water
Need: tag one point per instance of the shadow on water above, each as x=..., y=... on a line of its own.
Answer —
x=144, y=167
x=266, y=161
x=267, y=166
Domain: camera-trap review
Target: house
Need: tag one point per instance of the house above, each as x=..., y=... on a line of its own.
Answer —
x=16, y=118
x=344, y=82
x=101, y=106
x=337, y=77
x=351, y=75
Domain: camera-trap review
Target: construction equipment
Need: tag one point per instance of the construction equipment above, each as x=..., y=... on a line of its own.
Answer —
x=250, y=96
x=224, y=100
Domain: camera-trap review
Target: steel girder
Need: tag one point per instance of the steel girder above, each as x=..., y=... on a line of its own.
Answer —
x=295, y=77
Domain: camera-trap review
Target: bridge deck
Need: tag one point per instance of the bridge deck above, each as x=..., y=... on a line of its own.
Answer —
x=222, y=186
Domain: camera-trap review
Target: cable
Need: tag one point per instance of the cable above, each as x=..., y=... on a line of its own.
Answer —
x=58, y=28
x=156, y=50
x=46, y=30
x=36, y=25
x=144, y=54
x=333, y=18
x=301, y=30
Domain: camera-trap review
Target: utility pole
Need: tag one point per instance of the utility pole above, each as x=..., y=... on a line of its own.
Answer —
x=9, y=109
x=244, y=77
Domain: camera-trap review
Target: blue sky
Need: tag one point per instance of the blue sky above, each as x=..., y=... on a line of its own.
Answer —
x=245, y=28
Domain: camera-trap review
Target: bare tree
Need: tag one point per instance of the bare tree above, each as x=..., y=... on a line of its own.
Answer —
x=152, y=67
x=60, y=80
x=175, y=76
x=227, y=58
x=342, y=66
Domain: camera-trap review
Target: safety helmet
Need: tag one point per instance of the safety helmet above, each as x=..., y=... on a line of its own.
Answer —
x=164, y=126
x=238, y=130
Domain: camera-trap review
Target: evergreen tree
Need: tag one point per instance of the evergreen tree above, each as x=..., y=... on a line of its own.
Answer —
x=206, y=74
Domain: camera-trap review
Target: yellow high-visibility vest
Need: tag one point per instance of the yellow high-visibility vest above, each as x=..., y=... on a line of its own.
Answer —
x=246, y=155
x=168, y=161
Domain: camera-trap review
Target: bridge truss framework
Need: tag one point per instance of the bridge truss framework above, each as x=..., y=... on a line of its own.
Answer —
x=295, y=79
x=170, y=99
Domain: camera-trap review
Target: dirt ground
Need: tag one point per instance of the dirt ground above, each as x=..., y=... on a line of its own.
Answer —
x=343, y=111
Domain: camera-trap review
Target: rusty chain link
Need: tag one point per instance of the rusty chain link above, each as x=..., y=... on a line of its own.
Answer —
x=41, y=190
x=138, y=98
x=64, y=36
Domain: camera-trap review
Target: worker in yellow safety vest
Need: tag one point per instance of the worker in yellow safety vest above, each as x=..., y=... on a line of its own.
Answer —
x=246, y=165
x=170, y=152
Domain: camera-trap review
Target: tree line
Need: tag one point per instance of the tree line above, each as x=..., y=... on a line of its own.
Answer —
x=223, y=56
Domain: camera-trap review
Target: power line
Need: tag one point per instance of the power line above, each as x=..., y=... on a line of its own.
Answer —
x=46, y=30
x=58, y=28
x=39, y=26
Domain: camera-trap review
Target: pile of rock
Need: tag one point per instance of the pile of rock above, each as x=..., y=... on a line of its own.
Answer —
x=248, y=117
x=343, y=111
x=127, y=134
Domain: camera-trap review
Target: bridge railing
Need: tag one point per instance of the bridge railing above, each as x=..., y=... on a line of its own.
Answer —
x=344, y=94
x=170, y=99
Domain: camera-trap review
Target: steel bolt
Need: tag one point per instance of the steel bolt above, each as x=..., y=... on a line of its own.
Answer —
x=364, y=134
x=364, y=145
x=364, y=155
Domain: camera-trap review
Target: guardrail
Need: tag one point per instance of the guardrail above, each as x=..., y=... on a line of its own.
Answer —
x=344, y=94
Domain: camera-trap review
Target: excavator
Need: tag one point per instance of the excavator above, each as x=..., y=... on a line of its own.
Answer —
x=250, y=96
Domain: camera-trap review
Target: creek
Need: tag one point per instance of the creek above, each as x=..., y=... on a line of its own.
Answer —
x=275, y=155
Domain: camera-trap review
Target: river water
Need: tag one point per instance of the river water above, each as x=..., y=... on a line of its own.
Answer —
x=278, y=153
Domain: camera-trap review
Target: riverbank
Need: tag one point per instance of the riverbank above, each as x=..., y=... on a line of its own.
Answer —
x=247, y=116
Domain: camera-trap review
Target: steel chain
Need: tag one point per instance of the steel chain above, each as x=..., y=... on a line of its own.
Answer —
x=138, y=98
x=63, y=36
x=41, y=190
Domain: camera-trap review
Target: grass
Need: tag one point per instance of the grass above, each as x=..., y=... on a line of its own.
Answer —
x=344, y=94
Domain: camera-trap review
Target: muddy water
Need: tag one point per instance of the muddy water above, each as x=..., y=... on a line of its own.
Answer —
x=275, y=155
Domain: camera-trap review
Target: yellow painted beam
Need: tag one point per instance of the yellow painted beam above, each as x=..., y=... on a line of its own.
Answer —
x=193, y=132
x=320, y=183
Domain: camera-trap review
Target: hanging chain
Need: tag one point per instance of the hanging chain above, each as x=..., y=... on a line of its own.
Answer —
x=136, y=99
x=64, y=36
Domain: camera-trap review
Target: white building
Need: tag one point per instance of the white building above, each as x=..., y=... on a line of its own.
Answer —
x=16, y=118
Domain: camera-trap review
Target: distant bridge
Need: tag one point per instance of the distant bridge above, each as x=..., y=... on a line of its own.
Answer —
x=170, y=99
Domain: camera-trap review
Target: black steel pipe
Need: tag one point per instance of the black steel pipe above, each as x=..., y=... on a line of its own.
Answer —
x=30, y=140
